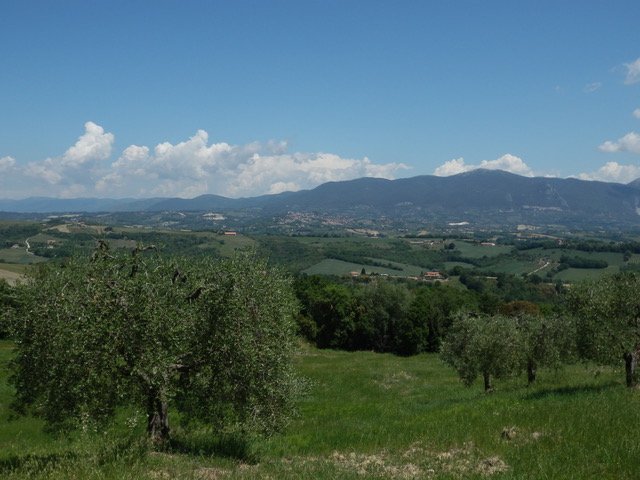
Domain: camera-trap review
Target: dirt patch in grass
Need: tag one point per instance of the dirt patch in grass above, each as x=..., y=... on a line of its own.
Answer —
x=419, y=461
x=396, y=379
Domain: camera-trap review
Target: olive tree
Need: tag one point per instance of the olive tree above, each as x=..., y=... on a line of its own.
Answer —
x=607, y=314
x=548, y=341
x=490, y=346
x=214, y=339
x=8, y=304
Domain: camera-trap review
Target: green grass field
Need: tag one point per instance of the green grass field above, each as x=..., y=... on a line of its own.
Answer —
x=372, y=416
x=19, y=256
x=331, y=266
x=471, y=250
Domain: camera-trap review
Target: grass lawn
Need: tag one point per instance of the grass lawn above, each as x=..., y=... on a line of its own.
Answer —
x=372, y=416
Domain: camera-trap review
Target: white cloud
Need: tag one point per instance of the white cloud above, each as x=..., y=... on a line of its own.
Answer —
x=74, y=191
x=592, y=87
x=636, y=113
x=452, y=167
x=6, y=164
x=303, y=170
x=633, y=72
x=613, y=172
x=280, y=187
x=629, y=143
x=194, y=167
x=508, y=163
x=79, y=163
x=93, y=145
x=186, y=169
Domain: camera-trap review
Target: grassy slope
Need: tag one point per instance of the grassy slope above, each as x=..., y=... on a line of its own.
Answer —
x=331, y=266
x=379, y=416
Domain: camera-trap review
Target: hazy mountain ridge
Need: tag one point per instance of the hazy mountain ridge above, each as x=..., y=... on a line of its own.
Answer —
x=479, y=191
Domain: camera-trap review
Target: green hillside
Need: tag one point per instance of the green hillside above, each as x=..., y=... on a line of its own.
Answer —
x=371, y=416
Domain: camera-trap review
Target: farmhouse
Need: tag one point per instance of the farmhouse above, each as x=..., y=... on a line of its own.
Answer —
x=432, y=276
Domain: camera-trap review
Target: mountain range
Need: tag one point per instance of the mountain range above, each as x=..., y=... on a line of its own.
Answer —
x=491, y=194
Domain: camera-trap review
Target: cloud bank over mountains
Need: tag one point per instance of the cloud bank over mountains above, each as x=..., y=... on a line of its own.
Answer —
x=187, y=169
x=196, y=166
x=508, y=163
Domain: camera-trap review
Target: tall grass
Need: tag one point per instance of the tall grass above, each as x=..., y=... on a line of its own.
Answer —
x=373, y=416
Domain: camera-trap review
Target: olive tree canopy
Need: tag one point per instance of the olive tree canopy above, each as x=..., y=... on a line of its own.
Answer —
x=607, y=313
x=214, y=339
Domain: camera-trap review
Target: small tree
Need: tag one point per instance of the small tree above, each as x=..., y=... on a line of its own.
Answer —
x=212, y=338
x=607, y=313
x=547, y=341
x=490, y=346
x=8, y=304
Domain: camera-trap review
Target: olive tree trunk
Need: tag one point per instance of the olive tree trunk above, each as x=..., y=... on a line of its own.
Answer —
x=157, y=418
x=631, y=367
x=487, y=382
x=532, y=371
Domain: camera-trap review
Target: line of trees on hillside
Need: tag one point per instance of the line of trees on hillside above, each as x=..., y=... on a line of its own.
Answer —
x=580, y=262
x=582, y=245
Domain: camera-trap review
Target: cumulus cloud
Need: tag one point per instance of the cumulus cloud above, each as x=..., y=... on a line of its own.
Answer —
x=186, y=169
x=636, y=113
x=95, y=144
x=613, y=172
x=6, y=164
x=629, y=143
x=633, y=72
x=195, y=167
x=280, y=187
x=79, y=163
x=508, y=163
x=302, y=170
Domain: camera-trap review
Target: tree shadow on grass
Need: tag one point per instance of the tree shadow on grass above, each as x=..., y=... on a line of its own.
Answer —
x=572, y=391
x=231, y=445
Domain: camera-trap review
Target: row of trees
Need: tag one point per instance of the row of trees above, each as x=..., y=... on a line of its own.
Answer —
x=602, y=324
x=211, y=339
x=500, y=345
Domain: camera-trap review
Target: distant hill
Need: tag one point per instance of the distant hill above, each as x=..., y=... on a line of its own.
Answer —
x=480, y=195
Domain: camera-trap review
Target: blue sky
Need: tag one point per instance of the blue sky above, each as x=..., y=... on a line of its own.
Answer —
x=240, y=98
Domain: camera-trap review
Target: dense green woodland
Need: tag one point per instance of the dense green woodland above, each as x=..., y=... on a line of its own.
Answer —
x=404, y=316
